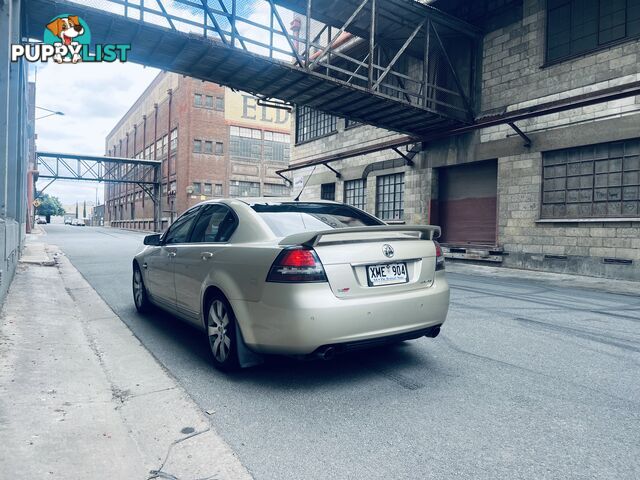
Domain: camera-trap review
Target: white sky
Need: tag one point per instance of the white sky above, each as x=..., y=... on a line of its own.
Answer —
x=93, y=97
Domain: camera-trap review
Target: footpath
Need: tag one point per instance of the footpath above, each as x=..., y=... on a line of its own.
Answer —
x=81, y=398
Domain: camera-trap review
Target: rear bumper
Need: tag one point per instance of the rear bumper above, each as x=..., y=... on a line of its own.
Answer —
x=298, y=319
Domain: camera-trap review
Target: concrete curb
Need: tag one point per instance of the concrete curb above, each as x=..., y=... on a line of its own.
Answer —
x=35, y=253
x=86, y=399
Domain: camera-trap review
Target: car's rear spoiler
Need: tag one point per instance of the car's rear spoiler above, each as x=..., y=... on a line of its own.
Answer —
x=311, y=239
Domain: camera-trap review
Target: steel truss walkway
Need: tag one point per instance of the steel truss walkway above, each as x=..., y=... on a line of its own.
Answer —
x=395, y=64
x=92, y=168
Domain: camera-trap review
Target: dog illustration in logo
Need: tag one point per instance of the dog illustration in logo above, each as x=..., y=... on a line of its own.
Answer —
x=67, y=29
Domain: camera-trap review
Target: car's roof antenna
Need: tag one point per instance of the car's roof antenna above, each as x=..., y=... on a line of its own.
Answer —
x=297, y=199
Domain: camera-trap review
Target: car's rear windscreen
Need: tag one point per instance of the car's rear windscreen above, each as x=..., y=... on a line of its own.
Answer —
x=289, y=218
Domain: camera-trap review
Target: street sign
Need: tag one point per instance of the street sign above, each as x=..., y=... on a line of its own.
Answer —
x=37, y=203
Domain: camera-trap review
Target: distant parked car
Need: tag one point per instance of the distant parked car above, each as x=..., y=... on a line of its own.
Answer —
x=41, y=220
x=68, y=221
x=294, y=278
x=80, y=222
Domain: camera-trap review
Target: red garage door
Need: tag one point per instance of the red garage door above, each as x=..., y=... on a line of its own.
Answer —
x=467, y=203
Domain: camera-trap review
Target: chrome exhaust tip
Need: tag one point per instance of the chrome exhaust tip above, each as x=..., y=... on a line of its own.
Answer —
x=327, y=353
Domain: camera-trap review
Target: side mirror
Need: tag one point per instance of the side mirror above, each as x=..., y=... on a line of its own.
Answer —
x=153, y=240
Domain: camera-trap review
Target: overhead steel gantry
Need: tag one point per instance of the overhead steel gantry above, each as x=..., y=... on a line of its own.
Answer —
x=395, y=64
x=92, y=168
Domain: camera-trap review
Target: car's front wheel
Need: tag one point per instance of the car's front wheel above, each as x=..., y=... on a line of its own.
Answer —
x=221, y=332
x=140, y=297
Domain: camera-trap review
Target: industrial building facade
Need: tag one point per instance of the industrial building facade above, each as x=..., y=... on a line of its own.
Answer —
x=213, y=142
x=17, y=144
x=564, y=196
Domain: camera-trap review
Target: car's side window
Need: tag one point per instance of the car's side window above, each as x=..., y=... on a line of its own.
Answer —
x=179, y=231
x=216, y=224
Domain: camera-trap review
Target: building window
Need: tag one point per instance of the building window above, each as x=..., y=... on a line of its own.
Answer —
x=173, y=143
x=217, y=189
x=355, y=193
x=208, y=147
x=208, y=189
x=592, y=182
x=244, y=189
x=390, y=196
x=312, y=124
x=328, y=191
x=197, y=146
x=196, y=188
x=276, y=190
x=245, y=144
x=219, y=148
x=165, y=145
x=220, y=104
x=277, y=147
x=197, y=100
x=172, y=188
x=208, y=101
x=158, y=148
x=575, y=27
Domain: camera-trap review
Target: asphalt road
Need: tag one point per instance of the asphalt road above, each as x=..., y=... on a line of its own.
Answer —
x=527, y=380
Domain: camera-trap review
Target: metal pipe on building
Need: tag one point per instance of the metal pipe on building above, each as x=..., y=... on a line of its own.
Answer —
x=175, y=170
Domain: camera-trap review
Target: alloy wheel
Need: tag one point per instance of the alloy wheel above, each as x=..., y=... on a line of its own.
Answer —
x=138, y=288
x=217, y=325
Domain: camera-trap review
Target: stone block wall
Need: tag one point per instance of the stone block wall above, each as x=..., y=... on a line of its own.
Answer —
x=514, y=76
x=595, y=248
x=417, y=179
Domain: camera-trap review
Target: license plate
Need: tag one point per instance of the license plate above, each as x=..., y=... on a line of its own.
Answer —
x=387, y=274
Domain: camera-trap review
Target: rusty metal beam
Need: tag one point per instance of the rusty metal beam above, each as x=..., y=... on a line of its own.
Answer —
x=524, y=136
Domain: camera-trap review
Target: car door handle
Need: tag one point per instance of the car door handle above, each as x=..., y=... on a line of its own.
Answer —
x=145, y=266
x=171, y=254
x=206, y=255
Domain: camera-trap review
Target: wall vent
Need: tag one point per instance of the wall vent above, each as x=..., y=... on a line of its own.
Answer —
x=555, y=257
x=617, y=261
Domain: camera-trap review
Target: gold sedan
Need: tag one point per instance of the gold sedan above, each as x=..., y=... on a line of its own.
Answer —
x=293, y=278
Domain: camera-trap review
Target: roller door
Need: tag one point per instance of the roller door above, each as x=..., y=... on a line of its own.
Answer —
x=467, y=203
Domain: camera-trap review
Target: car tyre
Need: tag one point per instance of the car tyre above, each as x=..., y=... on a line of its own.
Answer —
x=140, y=297
x=221, y=334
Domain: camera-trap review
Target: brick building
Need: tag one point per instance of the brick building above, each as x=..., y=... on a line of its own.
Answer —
x=569, y=202
x=212, y=141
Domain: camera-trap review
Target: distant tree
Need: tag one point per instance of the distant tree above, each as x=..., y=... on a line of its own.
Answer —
x=84, y=209
x=49, y=206
x=76, y=209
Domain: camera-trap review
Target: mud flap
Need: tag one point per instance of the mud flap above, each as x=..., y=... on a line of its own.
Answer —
x=246, y=357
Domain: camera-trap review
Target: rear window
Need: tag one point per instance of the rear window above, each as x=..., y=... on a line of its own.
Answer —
x=289, y=218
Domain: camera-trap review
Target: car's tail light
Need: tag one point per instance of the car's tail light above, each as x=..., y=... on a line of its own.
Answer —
x=297, y=265
x=439, y=257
